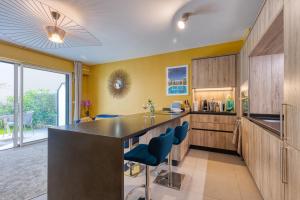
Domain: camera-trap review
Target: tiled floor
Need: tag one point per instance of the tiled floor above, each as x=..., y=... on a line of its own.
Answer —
x=209, y=176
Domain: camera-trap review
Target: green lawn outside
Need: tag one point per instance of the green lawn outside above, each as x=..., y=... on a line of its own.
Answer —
x=2, y=131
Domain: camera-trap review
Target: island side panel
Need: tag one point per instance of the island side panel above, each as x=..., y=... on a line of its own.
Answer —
x=82, y=166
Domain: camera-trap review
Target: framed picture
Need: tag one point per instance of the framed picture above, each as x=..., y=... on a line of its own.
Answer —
x=177, y=80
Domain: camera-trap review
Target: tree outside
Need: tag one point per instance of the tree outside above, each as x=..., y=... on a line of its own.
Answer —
x=41, y=102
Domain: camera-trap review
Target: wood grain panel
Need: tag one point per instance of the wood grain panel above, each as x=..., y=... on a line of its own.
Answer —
x=221, y=140
x=268, y=14
x=245, y=126
x=213, y=126
x=292, y=96
x=214, y=72
x=218, y=119
x=264, y=159
x=272, y=40
x=275, y=187
x=292, y=72
x=293, y=175
x=266, y=84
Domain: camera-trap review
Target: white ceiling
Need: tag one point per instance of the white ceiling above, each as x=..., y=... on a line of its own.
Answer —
x=136, y=28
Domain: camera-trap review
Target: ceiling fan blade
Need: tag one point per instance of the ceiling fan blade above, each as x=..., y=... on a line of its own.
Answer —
x=205, y=9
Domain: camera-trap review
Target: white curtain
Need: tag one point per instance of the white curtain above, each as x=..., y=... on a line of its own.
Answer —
x=78, y=82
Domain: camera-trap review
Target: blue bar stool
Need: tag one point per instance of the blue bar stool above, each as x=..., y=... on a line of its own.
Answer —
x=151, y=155
x=131, y=168
x=169, y=178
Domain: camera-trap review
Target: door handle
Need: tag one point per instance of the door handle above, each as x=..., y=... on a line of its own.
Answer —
x=283, y=121
x=284, y=165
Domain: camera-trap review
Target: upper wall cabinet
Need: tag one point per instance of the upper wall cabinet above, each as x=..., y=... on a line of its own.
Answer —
x=292, y=72
x=268, y=14
x=244, y=70
x=266, y=84
x=214, y=72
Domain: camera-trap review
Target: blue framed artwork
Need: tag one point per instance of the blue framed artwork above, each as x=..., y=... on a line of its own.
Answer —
x=177, y=80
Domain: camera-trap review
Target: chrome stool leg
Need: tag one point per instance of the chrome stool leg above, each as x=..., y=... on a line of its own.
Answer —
x=169, y=178
x=146, y=186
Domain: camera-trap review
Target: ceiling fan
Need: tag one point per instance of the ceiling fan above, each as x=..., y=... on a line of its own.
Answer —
x=208, y=8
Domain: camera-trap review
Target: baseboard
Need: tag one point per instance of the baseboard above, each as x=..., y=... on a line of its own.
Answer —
x=214, y=150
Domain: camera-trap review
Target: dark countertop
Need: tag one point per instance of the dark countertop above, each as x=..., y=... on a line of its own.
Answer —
x=212, y=113
x=260, y=119
x=123, y=127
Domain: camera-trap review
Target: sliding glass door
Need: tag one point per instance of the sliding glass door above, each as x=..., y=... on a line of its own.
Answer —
x=31, y=100
x=44, y=102
x=8, y=130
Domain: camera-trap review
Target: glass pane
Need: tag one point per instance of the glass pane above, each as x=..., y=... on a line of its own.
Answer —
x=43, y=99
x=6, y=105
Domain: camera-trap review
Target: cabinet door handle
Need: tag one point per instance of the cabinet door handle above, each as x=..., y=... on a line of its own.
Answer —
x=283, y=121
x=284, y=166
x=281, y=163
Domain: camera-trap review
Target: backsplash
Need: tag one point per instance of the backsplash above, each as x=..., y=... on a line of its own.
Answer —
x=217, y=96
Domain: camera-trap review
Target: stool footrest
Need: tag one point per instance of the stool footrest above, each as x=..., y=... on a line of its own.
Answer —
x=169, y=179
x=133, y=169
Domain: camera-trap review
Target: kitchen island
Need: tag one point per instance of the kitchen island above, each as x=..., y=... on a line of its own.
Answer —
x=85, y=161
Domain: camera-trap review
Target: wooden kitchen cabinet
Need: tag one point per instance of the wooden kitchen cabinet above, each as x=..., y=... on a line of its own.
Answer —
x=272, y=187
x=212, y=139
x=214, y=131
x=179, y=151
x=245, y=126
x=264, y=159
x=244, y=71
x=266, y=83
x=292, y=98
x=292, y=72
x=268, y=14
x=255, y=144
x=292, y=185
x=214, y=72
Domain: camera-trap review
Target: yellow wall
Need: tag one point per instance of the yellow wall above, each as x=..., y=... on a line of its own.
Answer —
x=148, y=79
x=18, y=54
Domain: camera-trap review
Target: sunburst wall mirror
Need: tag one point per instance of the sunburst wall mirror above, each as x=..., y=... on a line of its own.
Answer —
x=119, y=83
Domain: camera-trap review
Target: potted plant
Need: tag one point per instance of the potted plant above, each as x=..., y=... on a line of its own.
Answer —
x=86, y=104
x=151, y=107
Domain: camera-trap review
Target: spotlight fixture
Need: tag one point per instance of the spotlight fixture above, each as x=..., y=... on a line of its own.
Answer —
x=181, y=24
x=55, y=34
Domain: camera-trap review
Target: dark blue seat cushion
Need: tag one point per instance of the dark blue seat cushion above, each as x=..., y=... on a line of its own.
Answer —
x=180, y=133
x=161, y=146
x=105, y=116
x=176, y=140
x=141, y=154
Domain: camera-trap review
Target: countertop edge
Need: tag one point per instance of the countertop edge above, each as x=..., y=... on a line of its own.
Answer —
x=73, y=130
x=213, y=113
x=270, y=129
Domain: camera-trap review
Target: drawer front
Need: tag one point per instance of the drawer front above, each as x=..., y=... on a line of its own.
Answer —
x=218, y=119
x=213, y=139
x=213, y=126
